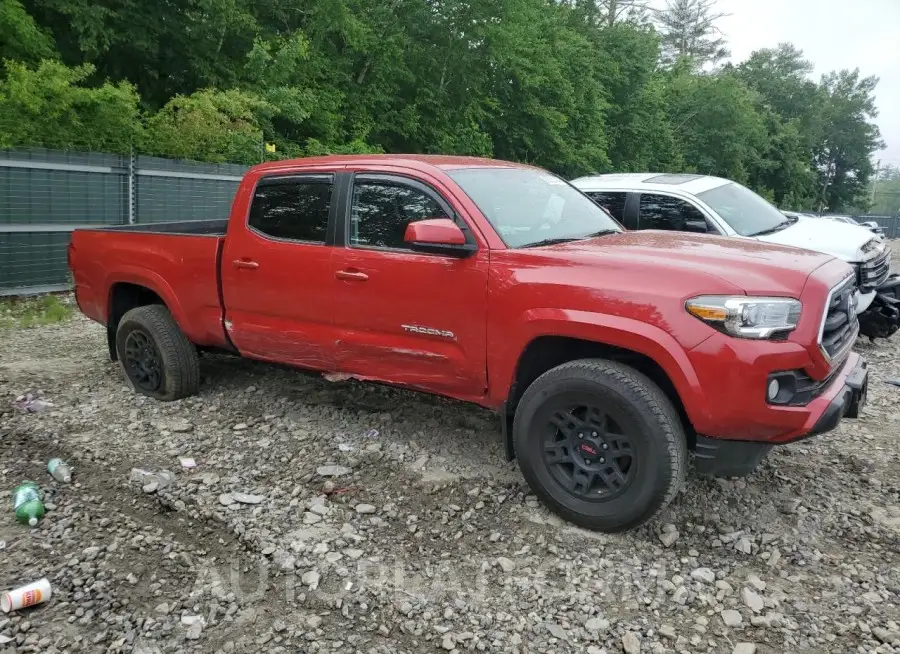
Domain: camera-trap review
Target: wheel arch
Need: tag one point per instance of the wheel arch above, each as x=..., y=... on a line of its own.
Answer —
x=123, y=297
x=644, y=347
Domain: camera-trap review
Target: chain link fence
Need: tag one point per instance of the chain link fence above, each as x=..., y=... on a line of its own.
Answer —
x=44, y=195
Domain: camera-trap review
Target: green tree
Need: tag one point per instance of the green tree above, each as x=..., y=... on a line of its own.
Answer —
x=715, y=119
x=843, y=156
x=51, y=106
x=163, y=48
x=690, y=33
x=20, y=37
x=209, y=125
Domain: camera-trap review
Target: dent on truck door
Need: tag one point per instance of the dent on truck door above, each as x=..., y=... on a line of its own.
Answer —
x=403, y=316
x=275, y=273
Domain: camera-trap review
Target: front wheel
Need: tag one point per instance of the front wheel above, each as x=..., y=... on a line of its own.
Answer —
x=600, y=444
x=156, y=356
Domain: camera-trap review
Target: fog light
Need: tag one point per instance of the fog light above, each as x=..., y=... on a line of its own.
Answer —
x=774, y=387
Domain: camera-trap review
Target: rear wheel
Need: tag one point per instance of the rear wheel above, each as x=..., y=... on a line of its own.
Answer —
x=600, y=444
x=155, y=355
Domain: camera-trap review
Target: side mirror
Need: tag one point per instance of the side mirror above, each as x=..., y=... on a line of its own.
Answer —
x=439, y=236
x=697, y=226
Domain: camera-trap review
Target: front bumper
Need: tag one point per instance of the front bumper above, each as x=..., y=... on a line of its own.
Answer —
x=735, y=458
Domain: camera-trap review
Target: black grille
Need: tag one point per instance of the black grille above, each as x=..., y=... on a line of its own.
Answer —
x=841, y=325
x=873, y=273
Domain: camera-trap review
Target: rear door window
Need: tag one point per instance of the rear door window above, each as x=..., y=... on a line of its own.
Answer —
x=293, y=208
x=613, y=202
x=672, y=214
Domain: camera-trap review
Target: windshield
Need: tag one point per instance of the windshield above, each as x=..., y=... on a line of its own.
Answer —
x=531, y=207
x=746, y=212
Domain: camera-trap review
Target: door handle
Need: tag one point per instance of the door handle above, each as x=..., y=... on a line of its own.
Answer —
x=245, y=263
x=351, y=275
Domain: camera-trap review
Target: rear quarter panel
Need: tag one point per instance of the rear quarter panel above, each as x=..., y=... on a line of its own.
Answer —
x=180, y=269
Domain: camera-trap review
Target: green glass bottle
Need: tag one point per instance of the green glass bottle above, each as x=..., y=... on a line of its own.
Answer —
x=27, y=503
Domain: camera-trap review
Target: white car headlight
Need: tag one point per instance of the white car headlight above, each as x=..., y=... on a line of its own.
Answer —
x=747, y=317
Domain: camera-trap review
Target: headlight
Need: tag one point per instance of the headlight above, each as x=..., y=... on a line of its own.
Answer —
x=747, y=317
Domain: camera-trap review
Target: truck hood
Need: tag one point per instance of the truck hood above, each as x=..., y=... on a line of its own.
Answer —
x=840, y=240
x=754, y=267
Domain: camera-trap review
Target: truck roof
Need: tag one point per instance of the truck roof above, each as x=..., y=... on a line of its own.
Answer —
x=686, y=182
x=415, y=161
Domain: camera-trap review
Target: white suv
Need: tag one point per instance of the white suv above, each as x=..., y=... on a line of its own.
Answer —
x=713, y=205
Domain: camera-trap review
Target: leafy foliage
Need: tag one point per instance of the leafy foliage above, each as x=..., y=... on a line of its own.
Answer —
x=50, y=106
x=577, y=86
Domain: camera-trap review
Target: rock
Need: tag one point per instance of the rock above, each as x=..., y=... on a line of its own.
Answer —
x=751, y=600
x=791, y=505
x=756, y=582
x=704, y=574
x=365, y=509
x=310, y=579
x=744, y=648
x=188, y=620
x=181, y=426
x=668, y=631
x=151, y=487
x=332, y=471
x=744, y=545
x=668, y=538
x=194, y=631
x=313, y=622
x=139, y=476
x=507, y=565
x=162, y=608
x=225, y=499
x=731, y=618
x=448, y=642
x=597, y=624
x=310, y=518
x=244, y=498
x=680, y=596
x=631, y=643
x=556, y=631
x=873, y=597
x=886, y=636
x=774, y=558
x=593, y=649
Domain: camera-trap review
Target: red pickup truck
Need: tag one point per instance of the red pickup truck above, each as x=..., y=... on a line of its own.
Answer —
x=609, y=354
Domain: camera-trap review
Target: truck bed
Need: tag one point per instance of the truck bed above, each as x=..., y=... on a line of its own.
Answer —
x=184, y=227
x=177, y=261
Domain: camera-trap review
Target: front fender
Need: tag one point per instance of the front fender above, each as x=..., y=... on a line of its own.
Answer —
x=616, y=331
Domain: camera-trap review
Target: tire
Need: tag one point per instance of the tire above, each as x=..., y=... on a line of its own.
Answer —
x=157, y=358
x=638, y=455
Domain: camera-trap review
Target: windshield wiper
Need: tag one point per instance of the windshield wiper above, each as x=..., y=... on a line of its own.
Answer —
x=784, y=224
x=569, y=239
x=552, y=241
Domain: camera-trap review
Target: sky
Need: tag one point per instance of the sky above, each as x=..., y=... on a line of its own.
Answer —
x=833, y=34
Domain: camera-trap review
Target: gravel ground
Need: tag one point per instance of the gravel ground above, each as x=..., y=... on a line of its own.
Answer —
x=302, y=530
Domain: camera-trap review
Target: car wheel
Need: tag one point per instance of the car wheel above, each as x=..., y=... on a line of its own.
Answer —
x=157, y=358
x=600, y=444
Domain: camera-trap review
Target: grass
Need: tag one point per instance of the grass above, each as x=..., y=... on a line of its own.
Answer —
x=22, y=313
